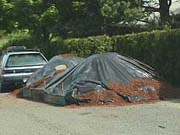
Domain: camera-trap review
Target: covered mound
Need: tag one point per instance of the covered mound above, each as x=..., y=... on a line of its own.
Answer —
x=57, y=65
x=96, y=72
x=100, y=78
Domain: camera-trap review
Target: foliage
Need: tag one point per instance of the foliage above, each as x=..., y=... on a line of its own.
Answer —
x=45, y=24
x=6, y=16
x=79, y=18
x=75, y=18
x=121, y=11
x=13, y=37
x=23, y=38
x=154, y=48
x=88, y=46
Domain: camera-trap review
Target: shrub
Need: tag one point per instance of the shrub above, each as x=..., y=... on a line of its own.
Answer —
x=88, y=46
x=160, y=49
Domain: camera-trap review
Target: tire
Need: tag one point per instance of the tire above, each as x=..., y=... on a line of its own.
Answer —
x=0, y=87
x=3, y=88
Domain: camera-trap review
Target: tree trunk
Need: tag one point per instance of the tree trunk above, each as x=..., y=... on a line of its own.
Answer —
x=164, y=10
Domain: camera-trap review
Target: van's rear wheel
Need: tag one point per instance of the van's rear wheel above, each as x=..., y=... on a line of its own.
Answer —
x=3, y=88
x=0, y=87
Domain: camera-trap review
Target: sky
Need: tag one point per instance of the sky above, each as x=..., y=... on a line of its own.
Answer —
x=175, y=7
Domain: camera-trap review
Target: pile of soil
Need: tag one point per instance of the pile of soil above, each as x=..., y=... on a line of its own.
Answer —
x=17, y=93
x=137, y=91
x=140, y=91
x=106, y=97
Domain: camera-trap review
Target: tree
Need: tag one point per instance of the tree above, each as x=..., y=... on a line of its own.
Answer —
x=6, y=16
x=164, y=6
x=78, y=18
x=47, y=23
x=120, y=14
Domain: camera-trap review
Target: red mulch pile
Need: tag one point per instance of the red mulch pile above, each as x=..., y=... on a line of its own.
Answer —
x=142, y=90
x=114, y=95
x=101, y=98
x=17, y=93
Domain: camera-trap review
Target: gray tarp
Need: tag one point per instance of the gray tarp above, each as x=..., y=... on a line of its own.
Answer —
x=82, y=76
x=49, y=68
x=95, y=73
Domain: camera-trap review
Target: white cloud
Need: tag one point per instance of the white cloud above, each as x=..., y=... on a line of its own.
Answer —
x=175, y=7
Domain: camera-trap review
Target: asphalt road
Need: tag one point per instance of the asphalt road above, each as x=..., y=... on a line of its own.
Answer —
x=22, y=117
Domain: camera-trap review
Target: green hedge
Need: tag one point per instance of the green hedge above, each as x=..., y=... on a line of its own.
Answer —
x=160, y=49
x=88, y=46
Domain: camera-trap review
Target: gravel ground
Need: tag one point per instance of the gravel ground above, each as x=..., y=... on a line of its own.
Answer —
x=23, y=117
